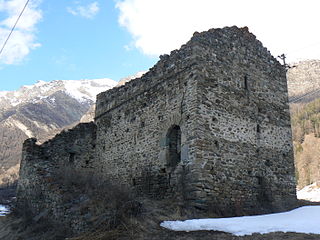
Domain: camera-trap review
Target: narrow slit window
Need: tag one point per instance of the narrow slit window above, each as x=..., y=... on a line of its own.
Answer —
x=71, y=157
x=246, y=82
x=258, y=128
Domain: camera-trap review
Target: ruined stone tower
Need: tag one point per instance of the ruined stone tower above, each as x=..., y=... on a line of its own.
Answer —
x=208, y=125
x=216, y=110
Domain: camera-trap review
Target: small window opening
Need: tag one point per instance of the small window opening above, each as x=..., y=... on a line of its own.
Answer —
x=260, y=180
x=259, y=110
x=214, y=119
x=71, y=157
x=258, y=128
x=268, y=163
x=163, y=170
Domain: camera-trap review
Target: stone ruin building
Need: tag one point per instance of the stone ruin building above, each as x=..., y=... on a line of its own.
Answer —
x=208, y=125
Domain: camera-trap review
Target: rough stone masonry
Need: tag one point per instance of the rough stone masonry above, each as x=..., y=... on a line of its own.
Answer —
x=208, y=126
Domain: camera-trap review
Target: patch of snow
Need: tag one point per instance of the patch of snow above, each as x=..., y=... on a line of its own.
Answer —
x=52, y=100
x=39, y=83
x=300, y=220
x=3, y=93
x=85, y=90
x=310, y=192
x=4, y=210
x=129, y=78
x=15, y=102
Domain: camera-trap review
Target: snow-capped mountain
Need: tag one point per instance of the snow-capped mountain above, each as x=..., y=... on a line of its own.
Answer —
x=81, y=90
x=90, y=114
x=129, y=78
x=42, y=110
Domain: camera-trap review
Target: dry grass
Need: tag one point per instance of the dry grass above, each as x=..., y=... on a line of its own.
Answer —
x=147, y=227
x=144, y=226
x=118, y=214
x=109, y=204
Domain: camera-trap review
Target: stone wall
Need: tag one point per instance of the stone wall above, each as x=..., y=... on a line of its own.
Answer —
x=133, y=122
x=244, y=145
x=207, y=127
x=228, y=96
x=39, y=188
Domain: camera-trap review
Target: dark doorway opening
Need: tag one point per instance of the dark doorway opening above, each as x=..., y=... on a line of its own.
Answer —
x=174, y=145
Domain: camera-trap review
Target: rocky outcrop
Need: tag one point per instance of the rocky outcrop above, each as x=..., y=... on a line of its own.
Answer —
x=304, y=81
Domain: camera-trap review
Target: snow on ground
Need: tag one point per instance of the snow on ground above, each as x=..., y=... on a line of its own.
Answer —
x=310, y=192
x=301, y=220
x=4, y=210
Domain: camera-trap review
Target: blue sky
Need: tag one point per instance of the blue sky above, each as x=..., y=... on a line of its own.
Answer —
x=76, y=47
x=87, y=39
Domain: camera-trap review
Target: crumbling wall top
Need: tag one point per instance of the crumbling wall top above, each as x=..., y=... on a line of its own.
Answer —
x=221, y=41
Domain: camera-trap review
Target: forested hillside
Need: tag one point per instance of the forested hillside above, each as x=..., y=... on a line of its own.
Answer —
x=305, y=120
x=304, y=95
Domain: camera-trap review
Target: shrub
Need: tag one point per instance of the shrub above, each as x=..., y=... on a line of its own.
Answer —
x=106, y=202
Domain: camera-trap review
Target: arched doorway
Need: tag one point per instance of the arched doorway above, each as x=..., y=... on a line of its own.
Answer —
x=174, y=146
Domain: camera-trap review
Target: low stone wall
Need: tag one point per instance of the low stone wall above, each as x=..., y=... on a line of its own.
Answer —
x=40, y=187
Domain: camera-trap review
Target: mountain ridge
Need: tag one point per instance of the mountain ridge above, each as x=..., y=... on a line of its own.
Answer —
x=42, y=110
x=304, y=81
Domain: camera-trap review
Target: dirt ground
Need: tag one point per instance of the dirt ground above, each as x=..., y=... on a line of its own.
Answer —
x=13, y=229
x=199, y=235
x=141, y=228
